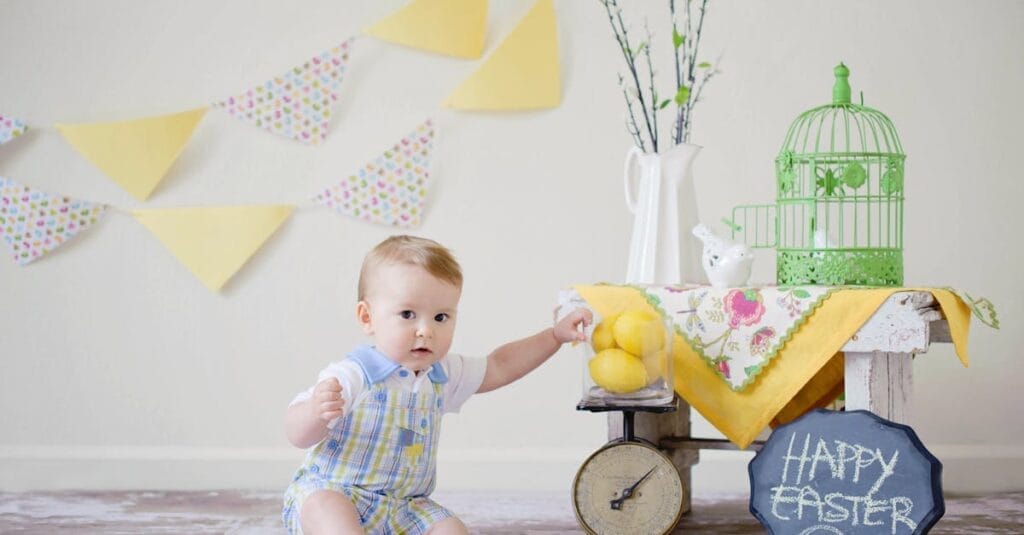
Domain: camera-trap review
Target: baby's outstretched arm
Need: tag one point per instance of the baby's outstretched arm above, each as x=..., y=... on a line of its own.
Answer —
x=306, y=421
x=513, y=360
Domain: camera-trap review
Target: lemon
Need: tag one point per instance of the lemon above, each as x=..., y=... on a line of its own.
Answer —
x=639, y=332
x=603, y=338
x=617, y=371
x=654, y=363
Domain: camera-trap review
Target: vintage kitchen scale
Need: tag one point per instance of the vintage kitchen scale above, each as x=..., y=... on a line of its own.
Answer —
x=627, y=486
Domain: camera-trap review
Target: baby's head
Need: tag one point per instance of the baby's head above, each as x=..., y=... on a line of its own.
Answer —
x=409, y=291
x=428, y=255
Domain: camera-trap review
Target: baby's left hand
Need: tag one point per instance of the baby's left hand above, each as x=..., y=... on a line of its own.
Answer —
x=568, y=329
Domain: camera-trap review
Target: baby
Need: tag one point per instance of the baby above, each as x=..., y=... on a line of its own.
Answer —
x=373, y=419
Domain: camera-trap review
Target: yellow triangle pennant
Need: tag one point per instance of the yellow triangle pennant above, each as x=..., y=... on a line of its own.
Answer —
x=451, y=27
x=135, y=154
x=522, y=73
x=214, y=242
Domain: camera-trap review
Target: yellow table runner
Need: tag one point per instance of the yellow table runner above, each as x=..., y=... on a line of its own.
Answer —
x=807, y=372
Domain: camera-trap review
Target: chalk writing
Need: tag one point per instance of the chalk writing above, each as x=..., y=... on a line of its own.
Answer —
x=853, y=463
x=829, y=476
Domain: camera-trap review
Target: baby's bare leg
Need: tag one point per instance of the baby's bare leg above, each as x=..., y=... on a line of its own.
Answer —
x=327, y=511
x=449, y=526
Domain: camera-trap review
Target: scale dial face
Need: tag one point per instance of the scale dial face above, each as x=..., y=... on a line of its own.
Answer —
x=611, y=494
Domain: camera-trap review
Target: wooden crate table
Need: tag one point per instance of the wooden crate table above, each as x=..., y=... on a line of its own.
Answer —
x=874, y=364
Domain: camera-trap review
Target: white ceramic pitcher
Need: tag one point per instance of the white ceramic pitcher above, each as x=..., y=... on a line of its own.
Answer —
x=662, y=197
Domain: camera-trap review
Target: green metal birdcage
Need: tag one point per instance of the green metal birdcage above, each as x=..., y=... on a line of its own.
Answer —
x=838, y=215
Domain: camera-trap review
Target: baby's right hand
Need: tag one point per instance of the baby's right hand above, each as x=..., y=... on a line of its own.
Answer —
x=327, y=400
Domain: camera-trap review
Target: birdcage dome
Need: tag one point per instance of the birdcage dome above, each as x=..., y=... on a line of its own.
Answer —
x=840, y=195
x=842, y=127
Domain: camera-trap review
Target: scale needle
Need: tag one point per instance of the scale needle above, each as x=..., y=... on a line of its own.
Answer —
x=628, y=491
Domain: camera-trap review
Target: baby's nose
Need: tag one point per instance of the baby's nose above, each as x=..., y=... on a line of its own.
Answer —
x=424, y=331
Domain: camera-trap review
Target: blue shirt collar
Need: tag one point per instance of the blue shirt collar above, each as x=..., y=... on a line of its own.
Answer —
x=377, y=366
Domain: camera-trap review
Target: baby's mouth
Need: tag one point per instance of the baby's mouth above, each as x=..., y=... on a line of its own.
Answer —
x=421, y=352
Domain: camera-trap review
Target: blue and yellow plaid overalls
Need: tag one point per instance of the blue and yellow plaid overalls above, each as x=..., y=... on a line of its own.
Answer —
x=382, y=456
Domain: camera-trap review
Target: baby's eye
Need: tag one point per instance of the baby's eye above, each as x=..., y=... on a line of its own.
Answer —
x=407, y=314
x=441, y=318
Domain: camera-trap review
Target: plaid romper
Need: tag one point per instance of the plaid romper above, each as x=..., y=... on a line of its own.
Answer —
x=382, y=456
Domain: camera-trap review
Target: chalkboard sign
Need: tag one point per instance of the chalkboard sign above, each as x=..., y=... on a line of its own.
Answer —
x=832, y=472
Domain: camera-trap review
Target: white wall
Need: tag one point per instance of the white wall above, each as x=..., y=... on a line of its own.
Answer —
x=119, y=369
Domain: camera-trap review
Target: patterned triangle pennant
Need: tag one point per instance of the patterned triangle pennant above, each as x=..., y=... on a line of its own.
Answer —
x=390, y=190
x=298, y=103
x=10, y=128
x=34, y=223
x=214, y=242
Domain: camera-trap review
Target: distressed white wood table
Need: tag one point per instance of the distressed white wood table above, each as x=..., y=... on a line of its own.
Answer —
x=878, y=377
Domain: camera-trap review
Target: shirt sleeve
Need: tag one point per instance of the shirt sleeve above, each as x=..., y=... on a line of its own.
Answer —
x=465, y=375
x=349, y=375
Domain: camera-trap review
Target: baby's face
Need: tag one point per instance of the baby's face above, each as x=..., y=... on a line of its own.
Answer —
x=410, y=313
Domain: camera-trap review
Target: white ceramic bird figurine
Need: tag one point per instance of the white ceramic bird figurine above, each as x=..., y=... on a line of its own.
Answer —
x=726, y=263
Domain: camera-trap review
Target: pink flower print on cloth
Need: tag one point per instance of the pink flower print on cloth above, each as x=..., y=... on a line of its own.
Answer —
x=744, y=307
x=298, y=103
x=10, y=128
x=33, y=223
x=760, y=340
x=392, y=189
x=737, y=331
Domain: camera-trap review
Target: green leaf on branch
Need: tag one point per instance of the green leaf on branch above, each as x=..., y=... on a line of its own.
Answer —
x=639, y=49
x=677, y=39
x=704, y=65
x=682, y=95
x=664, y=103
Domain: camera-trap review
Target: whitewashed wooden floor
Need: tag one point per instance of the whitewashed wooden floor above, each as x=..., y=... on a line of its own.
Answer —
x=241, y=512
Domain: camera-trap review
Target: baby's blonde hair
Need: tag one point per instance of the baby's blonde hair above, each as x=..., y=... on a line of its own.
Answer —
x=427, y=254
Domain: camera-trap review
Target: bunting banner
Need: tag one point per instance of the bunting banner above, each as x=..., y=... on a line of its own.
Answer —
x=523, y=73
x=298, y=103
x=214, y=242
x=34, y=222
x=390, y=190
x=135, y=154
x=10, y=128
x=450, y=27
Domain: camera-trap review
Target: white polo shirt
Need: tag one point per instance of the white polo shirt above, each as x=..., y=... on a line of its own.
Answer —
x=461, y=377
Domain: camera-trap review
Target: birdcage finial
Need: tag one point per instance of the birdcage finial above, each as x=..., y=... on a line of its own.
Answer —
x=841, y=91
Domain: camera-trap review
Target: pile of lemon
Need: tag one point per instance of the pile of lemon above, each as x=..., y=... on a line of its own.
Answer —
x=629, y=351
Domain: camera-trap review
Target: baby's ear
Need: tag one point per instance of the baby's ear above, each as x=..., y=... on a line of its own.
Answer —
x=363, y=317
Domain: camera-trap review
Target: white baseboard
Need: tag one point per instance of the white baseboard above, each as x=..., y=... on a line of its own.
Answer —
x=966, y=469
x=24, y=468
